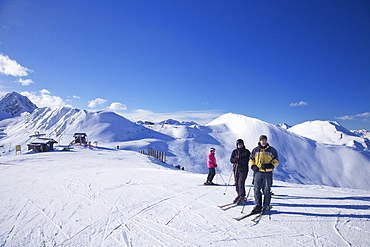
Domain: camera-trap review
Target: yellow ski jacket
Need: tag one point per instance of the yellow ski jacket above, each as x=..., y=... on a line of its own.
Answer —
x=264, y=155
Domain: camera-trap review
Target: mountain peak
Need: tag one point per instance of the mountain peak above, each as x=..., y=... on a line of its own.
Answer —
x=284, y=126
x=13, y=104
x=329, y=132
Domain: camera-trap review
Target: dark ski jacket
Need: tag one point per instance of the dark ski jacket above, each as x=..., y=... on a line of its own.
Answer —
x=240, y=158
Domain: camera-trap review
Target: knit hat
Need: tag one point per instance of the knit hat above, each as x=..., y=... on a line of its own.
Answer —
x=263, y=137
x=239, y=141
x=212, y=150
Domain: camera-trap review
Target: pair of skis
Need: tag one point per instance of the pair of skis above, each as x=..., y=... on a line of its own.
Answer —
x=231, y=205
x=255, y=219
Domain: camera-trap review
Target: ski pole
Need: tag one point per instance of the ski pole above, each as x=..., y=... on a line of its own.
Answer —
x=250, y=187
x=267, y=187
x=218, y=172
x=227, y=185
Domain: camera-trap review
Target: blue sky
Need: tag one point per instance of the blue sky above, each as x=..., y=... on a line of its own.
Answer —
x=279, y=61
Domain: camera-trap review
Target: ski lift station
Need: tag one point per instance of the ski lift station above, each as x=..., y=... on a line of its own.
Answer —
x=80, y=138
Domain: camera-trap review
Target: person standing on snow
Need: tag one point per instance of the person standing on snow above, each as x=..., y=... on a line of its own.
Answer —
x=211, y=164
x=263, y=160
x=239, y=158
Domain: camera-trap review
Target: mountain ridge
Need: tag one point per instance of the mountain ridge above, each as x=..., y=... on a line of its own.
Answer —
x=303, y=160
x=14, y=104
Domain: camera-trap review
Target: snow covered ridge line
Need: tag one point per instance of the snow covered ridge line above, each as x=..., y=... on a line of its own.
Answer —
x=330, y=132
x=13, y=104
x=362, y=133
x=167, y=122
x=330, y=156
x=61, y=123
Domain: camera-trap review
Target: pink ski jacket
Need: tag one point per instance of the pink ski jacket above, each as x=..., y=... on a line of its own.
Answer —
x=211, y=160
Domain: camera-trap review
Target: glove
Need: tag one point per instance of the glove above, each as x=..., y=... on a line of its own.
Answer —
x=215, y=165
x=254, y=168
x=268, y=166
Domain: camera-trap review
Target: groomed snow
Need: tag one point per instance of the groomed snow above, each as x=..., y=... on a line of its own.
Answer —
x=106, y=197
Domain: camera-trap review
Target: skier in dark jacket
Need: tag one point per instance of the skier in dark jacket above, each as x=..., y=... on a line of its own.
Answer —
x=240, y=159
x=263, y=160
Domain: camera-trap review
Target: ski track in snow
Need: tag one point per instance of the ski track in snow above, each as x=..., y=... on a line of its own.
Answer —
x=120, y=198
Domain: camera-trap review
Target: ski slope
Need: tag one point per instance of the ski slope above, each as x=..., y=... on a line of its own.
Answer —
x=107, y=197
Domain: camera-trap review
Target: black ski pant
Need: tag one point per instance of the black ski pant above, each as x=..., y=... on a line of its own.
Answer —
x=211, y=174
x=262, y=185
x=240, y=178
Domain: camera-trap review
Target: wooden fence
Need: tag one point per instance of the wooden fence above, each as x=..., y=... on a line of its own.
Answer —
x=161, y=156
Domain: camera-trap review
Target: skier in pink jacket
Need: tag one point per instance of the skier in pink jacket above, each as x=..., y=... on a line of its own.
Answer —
x=211, y=164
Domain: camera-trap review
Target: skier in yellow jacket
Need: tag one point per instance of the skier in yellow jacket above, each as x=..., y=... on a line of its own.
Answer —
x=263, y=160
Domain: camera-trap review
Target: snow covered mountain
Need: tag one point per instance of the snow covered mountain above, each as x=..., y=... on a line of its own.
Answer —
x=302, y=160
x=61, y=124
x=330, y=132
x=330, y=156
x=362, y=133
x=169, y=122
x=175, y=122
x=13, y=104
x=284, y=126
x=108, y=197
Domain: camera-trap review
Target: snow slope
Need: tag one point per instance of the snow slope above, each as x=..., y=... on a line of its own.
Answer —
x=102, y=197
x=303, y=160
x=330, y=132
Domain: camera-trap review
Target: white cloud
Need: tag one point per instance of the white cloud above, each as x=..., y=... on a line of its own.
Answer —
x=345, y=118
x=43, y=98
x=300, y=103
x=95, y=102
x=200, y=117
x=25, y=82
x=115, y=106
x=45, y=91
x=362, y=116
x=76, y=97
x=11, y=67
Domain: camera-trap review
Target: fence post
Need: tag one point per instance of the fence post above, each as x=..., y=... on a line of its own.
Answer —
x=160, y=155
